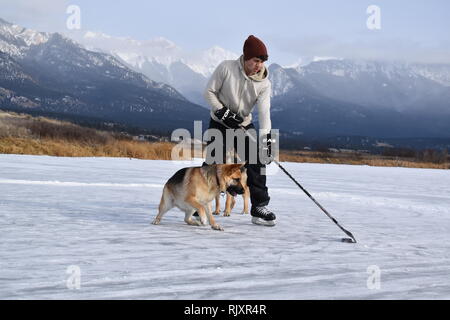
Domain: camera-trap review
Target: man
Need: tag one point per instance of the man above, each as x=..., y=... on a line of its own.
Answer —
x=234, y=89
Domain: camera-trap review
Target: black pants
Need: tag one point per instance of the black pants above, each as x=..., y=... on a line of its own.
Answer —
x=256, y=181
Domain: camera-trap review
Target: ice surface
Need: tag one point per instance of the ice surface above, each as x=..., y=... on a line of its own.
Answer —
x=96, y=213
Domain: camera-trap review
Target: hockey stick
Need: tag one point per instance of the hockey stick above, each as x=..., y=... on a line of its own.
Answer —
x=352, y=240
x=348, y=233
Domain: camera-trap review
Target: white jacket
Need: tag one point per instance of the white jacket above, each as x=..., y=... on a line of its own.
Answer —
x=229, y=86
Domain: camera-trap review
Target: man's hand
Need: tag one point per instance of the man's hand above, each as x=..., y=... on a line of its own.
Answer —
x=229, y=118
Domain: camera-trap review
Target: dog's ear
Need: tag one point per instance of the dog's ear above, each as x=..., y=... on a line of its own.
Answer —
x=243, y=166
x=239, y=166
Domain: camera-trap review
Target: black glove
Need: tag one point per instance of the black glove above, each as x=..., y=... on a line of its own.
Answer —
x=267, y=148
x=229, y=118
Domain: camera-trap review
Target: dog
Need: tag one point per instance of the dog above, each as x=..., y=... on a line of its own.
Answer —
x=231, y=201
x=192, y=189
x=233, y=157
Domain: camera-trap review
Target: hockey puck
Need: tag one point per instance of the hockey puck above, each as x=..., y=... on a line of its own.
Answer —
x=347, y=240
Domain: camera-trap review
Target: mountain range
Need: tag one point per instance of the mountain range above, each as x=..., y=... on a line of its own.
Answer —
x=155, y=84
x=371, y=98
x=161, y=60
x=327, y=96
x=48, y=72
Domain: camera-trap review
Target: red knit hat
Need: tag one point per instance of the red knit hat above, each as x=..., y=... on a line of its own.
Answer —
x=253, y=47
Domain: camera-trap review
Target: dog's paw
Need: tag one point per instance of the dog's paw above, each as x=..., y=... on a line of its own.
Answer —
x=244, y=212
x=155, y=222
x=226, y=214
x=216, y=213
x=217, y=227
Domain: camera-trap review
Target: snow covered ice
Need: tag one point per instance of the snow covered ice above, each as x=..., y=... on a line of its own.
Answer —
x=95, y=214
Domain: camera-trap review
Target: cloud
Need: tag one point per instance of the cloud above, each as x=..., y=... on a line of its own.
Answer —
x=41, y=15
x=370, y=48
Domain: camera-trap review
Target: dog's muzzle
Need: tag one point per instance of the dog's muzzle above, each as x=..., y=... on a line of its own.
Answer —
x=235, y=190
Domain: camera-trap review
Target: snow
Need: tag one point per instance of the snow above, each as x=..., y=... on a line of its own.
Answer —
x=318, y=58
x=206, y=62
x=133, y=52
x=295, y=65
x=95, y=214
x=159, y=51
x=14, y=33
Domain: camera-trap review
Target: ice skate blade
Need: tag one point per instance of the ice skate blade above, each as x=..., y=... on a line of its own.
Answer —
x=262, y=222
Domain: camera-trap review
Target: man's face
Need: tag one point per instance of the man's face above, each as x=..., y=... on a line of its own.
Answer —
x=253, y=66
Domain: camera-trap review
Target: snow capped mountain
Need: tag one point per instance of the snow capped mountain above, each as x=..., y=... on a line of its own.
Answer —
x=133, y=52
x=206, y=62
x=303, y=61
x=436, y=72
x=281, y=79
x=365, y=98
x=319, y=58
x=48, y=72
x=354, y=68
x=158, y=50
x=16, y=40
x=141, y=82
x=10, y=69
x=162, y=60
x=393, y=85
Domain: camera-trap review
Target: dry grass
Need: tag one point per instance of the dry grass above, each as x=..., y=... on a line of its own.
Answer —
x=61, y=148
x=20, y=134
x=358, y=159
x=23, y=134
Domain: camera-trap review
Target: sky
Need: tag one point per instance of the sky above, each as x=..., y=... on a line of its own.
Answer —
x=293, y=30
